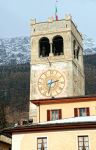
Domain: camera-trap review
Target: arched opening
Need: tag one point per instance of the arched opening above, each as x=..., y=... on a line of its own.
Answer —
x=74, y=48
x=78, y=50
x=44, y=47
x=57, y=46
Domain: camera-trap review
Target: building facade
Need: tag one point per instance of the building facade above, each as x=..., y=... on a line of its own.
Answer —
x=60, y=108
x=73, y=129
x=57, y=68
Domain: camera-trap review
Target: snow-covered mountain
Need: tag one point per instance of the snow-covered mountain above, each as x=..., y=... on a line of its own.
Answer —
x=14, y=50
x=89, y=46
x=17, y=50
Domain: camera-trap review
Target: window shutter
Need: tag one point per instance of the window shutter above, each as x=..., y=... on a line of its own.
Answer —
x=75, y=112
x=48, y=115
x=60, y=114
x=87, y=111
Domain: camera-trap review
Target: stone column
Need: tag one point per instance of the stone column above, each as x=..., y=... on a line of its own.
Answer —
x=51, y=54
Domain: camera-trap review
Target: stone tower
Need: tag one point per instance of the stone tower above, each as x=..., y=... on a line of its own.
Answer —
x=56, y=61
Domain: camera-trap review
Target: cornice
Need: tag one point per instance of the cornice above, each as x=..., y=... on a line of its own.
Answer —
x=53, y=127
x=64, y=100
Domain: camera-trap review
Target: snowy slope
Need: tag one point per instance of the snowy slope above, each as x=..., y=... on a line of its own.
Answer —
x=14, y=50
x=89, y=46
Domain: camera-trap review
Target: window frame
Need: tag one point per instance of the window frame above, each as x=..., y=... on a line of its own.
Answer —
x=54, y=114
x=42, y=141
x=49, y=114
x=82, y=112
x=83, y=136
x=77, y=112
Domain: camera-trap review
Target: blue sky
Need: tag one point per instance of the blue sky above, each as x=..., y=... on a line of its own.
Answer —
x=15, y=15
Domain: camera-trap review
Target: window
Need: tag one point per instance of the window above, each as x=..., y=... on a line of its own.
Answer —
x=57, y=46
x=74, y=48
x=44, y=47
x=78, y=50
x=42, y=143
x=54, y=114
x=81, y=112
x=83, y=143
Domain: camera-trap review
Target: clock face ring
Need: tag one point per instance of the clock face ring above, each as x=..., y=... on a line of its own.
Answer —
x=51, y=83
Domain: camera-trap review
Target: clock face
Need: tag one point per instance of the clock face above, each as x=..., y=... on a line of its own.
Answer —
x=51, y=83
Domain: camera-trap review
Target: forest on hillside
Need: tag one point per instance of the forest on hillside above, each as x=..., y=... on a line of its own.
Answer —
x=14, y=88
x=14, y=92
x=90, y=74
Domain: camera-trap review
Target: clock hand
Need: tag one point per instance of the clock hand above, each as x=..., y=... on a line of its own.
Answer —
x=49, y=85
x=54, y=81
x=49, y=89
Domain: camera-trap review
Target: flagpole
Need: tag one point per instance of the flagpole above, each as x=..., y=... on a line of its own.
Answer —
x=56, y=11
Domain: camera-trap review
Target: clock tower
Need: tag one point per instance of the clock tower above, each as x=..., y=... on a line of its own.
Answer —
x=56, y=61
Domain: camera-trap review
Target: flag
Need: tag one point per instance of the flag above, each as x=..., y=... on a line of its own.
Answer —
x=56, y=13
